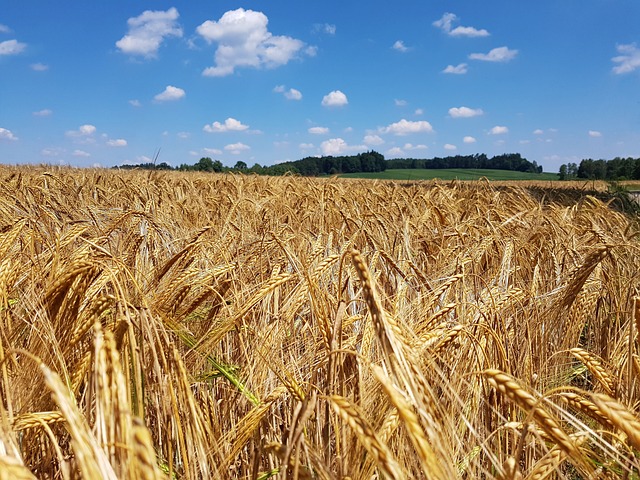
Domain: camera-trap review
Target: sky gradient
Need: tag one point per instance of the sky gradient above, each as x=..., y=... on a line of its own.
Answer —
x=108, y=83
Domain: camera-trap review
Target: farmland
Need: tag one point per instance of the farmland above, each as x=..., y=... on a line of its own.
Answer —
x=189, y=325
x=452, y=174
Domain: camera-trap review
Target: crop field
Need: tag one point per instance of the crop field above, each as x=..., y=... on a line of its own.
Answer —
x=183, y=326
x=452, y=174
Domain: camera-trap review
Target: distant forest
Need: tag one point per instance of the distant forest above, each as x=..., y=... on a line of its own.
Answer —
x=363, y=162
x=616, y=169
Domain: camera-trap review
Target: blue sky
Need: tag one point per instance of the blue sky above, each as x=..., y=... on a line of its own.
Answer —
x=106, y=83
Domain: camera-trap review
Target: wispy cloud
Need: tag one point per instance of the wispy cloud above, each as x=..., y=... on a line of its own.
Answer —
x=290, y=94
x=459, y=69
x=500, y=54
x=445, y=23
x=318, y=130
x=148, y=30
x=39, y=67
x=400, y=46
x=43, y=113
x=12, y=47
x=628, y=60
x=594, y=134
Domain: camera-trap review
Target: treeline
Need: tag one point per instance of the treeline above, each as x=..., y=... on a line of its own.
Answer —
x=363, y=162
x=506, y=161
x=616, y=169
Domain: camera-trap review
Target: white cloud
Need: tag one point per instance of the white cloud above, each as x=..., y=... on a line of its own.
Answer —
x=334, y=146
x=4, y=29
x=39, y=67
x=399, y=103
x=169, y=94
x=229, y=125
x=405, y=127
x=465, y=112
x=400, y=46
x=82, y=131
x=306, y=146
x=12, y=47
x=498, y=130
x=448, y=146
x=237, y=148
x=538, y=131
x=183, y=135
x=148, y=30
x=43, y=113
x=80, y=153
x=445, y=23
x=327, y=28
x=51, y=152
x=373, y=140
x=6, y=134
x=628, y=60
x=459, y=69
x=595, y=133
x=118, y=142
x=395, y=152
x=244, y=41
x=334, y=99
x=318, y=130
x=500, y=54
x=409, y=146
x=212, y=151
x=291, y=94
x=419, y=111
x=135, y=103
x=469, y=139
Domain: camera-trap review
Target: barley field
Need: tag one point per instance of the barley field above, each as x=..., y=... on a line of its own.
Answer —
x=194, y=326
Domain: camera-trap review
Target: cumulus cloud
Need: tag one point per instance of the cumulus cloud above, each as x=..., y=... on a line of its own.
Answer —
x=459, y=69
x=538, y=131
x=628, y=60
x=469, y=139
x=337, y=146
x=334, y=99
x=410, y=146
x=244, y=41
x=445, y=23
x=318, y=130
x=291, y=94
x=82, y=131
x=117, y=142
x=12, y=47
x=373, y=140
x=237, y=148
x=39, y=67
x=400, y=46
x=499, y=54
x=80, y=153
x=148, y=30
x=229, y=125
x=6, y=134
x=448, y=146
x=135, y=103
x=419, y=111
x=405, y=127
x=465, y=112
x=595, y=133
x=43, y=113
x=498, y=130
x=170, y=93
